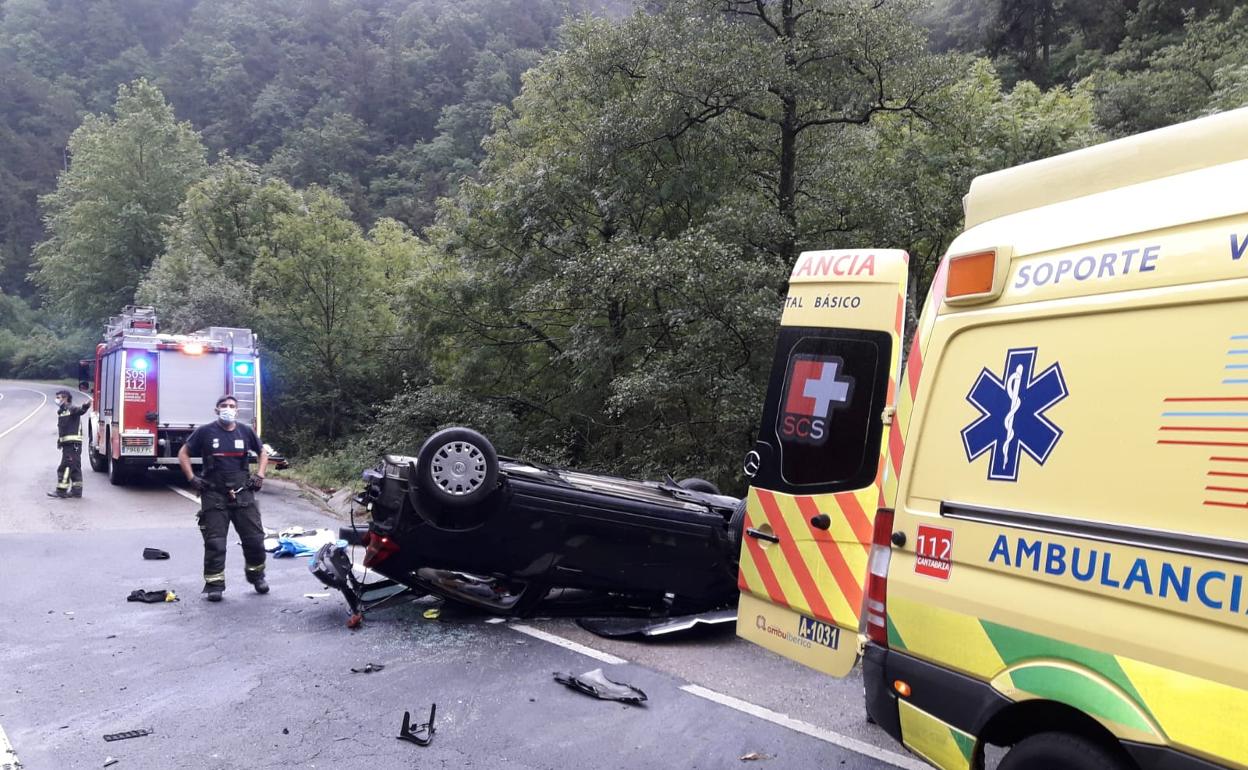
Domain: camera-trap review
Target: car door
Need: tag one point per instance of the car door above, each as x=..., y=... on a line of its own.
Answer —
x=818, y=466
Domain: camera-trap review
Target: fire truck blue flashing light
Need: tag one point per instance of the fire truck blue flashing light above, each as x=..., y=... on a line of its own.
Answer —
x=243, y=368
x=139, y=363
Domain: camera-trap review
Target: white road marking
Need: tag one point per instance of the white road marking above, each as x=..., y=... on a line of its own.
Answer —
x=805, y=728
x=22, y=421
x=568, y=644
x=8, y=757
x=184, y=493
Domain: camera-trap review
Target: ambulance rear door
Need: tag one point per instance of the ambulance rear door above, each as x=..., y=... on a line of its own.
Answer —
x=817, y=468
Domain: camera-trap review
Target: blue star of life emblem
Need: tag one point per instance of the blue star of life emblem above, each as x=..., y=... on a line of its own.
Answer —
x=1012, y=417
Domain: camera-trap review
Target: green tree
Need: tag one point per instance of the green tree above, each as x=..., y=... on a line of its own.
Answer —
x=1204, y=70
x=226, y=222
x=615, y=278
x=323, y=297
x=914, y=172
x=106, y=220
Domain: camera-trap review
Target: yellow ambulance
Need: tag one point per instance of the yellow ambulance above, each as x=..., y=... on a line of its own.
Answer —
x=1036, y=537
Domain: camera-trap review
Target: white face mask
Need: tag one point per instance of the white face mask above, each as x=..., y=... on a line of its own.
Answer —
x=227, y=414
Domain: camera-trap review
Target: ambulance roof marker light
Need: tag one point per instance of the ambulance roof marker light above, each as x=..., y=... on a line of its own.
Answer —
x=193, y=348
x=977, y=276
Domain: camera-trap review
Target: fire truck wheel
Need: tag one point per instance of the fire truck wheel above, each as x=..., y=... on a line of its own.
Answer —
x=698, y=485
x=457, y=467
x=99, y=462
x=118, y=475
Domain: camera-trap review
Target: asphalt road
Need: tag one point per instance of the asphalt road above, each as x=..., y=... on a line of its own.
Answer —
x=265, y=681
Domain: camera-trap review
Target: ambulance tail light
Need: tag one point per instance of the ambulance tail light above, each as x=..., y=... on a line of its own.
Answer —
x=977, y=276
x=877, y=577
x=378, y=549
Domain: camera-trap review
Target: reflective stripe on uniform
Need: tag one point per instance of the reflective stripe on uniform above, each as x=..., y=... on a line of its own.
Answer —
x=214, y=577
x=73, y=437
x=255, y=568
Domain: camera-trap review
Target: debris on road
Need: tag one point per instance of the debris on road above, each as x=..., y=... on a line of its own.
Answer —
x=753, y=756
x=152, y=597
x=128, y=734
x=368, y=668
x=155, y=554
x=325, y=595
x=595, y=683
x=108, y=761
x=433, y=613
x=423, y=734
x=643, y=628
x=296, y=541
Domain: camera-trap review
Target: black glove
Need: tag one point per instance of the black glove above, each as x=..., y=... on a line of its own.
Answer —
x=256, y=482
x=197, y=483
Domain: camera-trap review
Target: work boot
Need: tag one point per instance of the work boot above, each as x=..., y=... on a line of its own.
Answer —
x=214, y=591
x=59, y=493
x=260, y=586
x=75, y=492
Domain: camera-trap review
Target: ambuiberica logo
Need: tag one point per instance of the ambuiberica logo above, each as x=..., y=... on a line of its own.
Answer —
x=817, y=386
x=1012, y=420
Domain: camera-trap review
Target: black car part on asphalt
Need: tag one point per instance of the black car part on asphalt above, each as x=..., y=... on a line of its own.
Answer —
x=422, y=734
x=507, y=536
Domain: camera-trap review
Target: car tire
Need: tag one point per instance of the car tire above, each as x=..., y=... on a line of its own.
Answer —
x=1065, y=750
x=698, y=485
x=457, y=467
x=99, y=462
x=736, y=527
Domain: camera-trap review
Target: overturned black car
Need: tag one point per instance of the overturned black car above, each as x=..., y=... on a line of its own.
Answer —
x=513, y=537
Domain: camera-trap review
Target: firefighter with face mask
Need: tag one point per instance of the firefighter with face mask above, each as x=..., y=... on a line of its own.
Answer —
x=69, y=441
x=227, y=494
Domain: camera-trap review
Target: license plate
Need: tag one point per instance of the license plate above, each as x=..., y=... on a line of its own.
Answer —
x=818, y=632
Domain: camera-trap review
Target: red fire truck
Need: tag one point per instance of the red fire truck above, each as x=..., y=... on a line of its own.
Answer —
x=151, y=390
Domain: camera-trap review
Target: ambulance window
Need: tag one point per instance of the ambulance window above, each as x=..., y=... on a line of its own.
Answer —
x=822, y=419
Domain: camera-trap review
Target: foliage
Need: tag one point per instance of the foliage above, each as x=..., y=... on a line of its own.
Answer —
x=225, y=223
x=106, y=220
x=1052, y=42
x=383, y=102
x=320, y=292
x=1203, y=71
x=33, y=345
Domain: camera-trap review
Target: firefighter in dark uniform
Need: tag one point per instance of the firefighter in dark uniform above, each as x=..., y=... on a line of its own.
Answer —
x=69, y=440
x=227, y=494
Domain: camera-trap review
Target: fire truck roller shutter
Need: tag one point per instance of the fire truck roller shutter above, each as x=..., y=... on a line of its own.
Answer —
x=190, y=386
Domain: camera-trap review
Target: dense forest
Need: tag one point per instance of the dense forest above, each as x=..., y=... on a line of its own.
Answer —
x=567, y=223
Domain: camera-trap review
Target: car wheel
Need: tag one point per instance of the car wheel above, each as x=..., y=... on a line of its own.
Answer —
x=1064, y=750
x=698, y=485
x=457, y=467
x=99, y=462
x=736, y=527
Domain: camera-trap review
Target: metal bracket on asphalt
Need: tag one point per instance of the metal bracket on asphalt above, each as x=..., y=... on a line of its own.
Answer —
x=423, y=734
x=128, y=734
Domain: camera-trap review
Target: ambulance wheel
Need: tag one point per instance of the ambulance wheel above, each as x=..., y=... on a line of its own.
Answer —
x=1065, y=750
x=698, y=485
x=457, y=467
